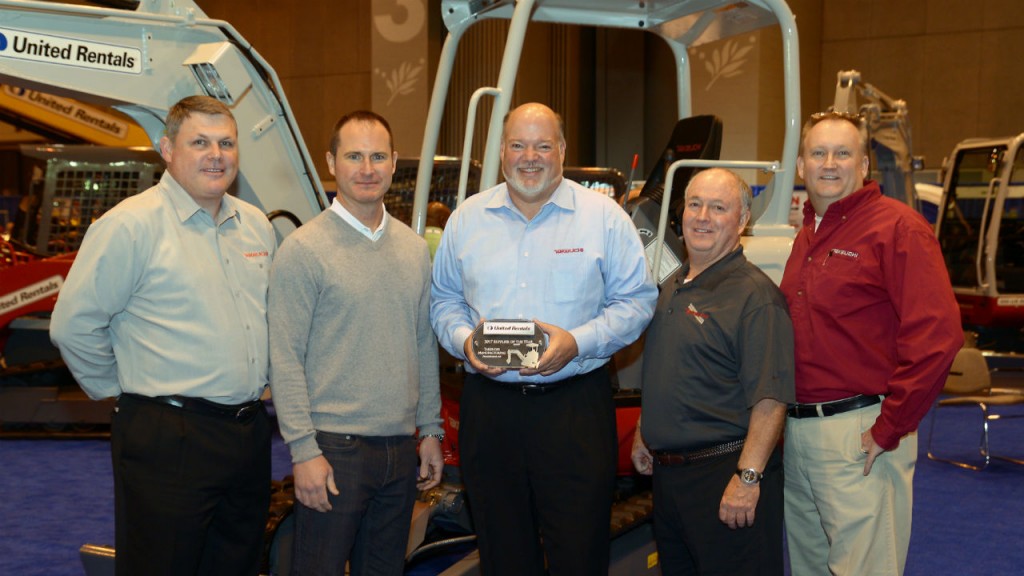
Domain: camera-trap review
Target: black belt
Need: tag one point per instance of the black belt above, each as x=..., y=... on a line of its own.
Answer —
x=241, y=412
x=675, y=458
x=529, y=389
x=823, y=409
x=538, y=388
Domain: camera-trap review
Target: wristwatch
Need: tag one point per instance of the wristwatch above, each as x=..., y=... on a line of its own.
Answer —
x=440, y=437
x=749, y=476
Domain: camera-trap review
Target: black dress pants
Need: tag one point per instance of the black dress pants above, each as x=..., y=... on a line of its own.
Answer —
x=693, y=541
x=191, y=491
x=539, y=472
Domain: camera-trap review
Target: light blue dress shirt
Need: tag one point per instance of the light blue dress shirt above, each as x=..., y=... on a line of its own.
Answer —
x=578, y=264
x=162, y=300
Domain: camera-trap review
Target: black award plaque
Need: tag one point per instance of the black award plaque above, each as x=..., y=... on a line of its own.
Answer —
x=510, y=344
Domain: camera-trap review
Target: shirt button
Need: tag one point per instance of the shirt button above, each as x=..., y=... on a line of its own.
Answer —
x=523, y=285
x=799, y=292
x=808, y=258
x=527, y=253
x=227, y=260
x=669, y=311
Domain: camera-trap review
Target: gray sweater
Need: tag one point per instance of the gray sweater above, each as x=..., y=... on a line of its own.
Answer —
x=351, y=347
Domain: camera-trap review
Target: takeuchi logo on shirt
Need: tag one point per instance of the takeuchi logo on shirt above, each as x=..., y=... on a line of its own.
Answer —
x=567, y=250
x=256, y=254
x=699, y=316
x=847, y=253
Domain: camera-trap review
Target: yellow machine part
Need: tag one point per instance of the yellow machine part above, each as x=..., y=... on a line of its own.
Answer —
x=92, y=124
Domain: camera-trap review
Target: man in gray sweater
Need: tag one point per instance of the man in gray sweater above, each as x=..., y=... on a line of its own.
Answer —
x=354, y=370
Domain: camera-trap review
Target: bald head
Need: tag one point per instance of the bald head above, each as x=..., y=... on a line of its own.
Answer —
x=537, y=112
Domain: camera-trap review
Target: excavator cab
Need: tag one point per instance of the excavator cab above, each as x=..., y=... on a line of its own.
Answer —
x=981, y=229
x=682, y=25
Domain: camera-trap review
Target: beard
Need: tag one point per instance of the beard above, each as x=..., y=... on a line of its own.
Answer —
x=515, y=180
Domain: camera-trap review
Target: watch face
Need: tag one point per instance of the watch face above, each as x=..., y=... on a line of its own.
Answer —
x=750, y=476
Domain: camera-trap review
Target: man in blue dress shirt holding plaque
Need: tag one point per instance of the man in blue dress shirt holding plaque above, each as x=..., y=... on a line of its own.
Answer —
x=538, y=445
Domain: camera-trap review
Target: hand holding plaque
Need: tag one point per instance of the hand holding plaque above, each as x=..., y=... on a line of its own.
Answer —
x=512, y=344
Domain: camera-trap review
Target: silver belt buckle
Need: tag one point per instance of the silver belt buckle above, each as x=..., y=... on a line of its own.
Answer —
x=532, y=387
x=245, y=411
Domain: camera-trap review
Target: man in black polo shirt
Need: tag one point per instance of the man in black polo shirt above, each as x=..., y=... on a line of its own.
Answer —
x=717, y=375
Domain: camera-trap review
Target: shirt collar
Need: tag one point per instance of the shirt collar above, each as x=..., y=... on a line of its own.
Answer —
x=354, y=222
x=186, y=207
x=563, y=197
x=712, y=274
x=870, y=191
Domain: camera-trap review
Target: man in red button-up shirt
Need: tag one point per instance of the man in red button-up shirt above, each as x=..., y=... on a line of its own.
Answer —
x=874, y=318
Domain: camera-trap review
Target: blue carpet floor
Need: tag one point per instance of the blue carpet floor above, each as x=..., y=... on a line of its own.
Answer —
x=56, y=495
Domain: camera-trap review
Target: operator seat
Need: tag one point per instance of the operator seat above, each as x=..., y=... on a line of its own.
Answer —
x=693, y=138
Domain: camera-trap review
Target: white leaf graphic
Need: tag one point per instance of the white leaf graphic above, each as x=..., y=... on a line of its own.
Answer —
x=741, y=52
x=403, y=80
x=733, y=67
x=728, y=63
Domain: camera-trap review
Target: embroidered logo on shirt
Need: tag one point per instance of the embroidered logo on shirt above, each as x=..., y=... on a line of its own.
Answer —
x=567, y=250
x=847, y=253
x=698, y=316
x=839, y=252
x=256, y=254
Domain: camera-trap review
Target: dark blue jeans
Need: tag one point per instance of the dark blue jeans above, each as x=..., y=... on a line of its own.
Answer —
x=368, y=525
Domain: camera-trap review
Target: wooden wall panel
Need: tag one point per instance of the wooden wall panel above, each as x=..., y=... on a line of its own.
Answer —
x=956, y=63
x=320, y=50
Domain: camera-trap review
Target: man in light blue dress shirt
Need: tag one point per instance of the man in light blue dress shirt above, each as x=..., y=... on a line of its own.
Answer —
x=538, y=445
x=165, y=309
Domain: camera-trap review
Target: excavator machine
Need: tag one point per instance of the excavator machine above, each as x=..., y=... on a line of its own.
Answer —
x=137, y=57
x=528, y=360
x=889, y=134
x=682, y=24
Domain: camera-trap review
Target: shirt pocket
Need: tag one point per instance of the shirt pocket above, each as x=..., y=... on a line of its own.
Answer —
x=839, y=285
x=569, y=278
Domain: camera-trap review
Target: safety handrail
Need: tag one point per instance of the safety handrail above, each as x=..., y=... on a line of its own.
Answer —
x=697, y=163
x=983, y=233
x=467, y=143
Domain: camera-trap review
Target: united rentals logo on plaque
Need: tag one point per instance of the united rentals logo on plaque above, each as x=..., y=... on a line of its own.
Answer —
x=508, y=343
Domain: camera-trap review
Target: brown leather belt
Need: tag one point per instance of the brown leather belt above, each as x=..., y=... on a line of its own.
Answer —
x=823, y=409
x=676, y=458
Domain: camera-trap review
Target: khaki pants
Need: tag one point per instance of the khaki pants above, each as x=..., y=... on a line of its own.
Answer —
x=837, y=520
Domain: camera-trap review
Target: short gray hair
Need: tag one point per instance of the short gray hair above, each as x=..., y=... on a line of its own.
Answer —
x=746, y=194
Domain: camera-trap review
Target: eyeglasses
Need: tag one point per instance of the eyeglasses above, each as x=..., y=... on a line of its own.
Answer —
x=830, y=114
